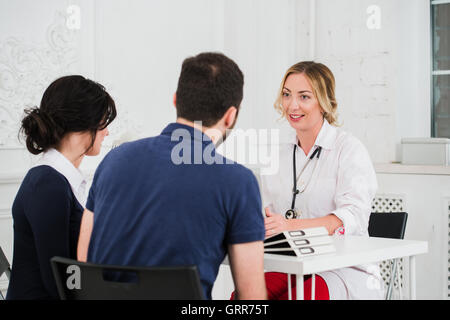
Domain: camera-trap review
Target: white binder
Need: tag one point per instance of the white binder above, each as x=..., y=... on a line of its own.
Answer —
x=305, y=251
x=308, y=233
x=300, y=243
x=297, y=243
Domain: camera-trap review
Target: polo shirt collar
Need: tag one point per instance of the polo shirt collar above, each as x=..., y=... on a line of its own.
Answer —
x=326, y=137
x=194, y=133
x=60, y=163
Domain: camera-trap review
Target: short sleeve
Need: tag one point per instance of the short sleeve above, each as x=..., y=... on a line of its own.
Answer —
x=90, y=204
x=246, y=220
x=356, y=187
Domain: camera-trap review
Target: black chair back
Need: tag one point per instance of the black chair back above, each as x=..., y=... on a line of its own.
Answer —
x=4, y=265
x=86, y=281
x=388, y=225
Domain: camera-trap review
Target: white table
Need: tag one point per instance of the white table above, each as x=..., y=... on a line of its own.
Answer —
x=350, y=251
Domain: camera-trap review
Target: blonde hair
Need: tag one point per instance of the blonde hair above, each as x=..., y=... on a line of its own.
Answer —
x=323, y=83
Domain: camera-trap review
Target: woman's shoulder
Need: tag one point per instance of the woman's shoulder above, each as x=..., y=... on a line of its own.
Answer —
x=42, y=185
x=45, y=175
x=346, y=140
x=351, y=151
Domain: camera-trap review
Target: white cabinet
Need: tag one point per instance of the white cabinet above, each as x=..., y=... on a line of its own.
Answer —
x=425, y=193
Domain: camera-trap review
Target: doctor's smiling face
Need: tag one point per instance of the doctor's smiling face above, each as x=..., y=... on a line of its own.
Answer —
x=300, y=105
x=307, y=96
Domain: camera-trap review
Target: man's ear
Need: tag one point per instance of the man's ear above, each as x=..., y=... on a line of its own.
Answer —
x=230, y=117
x=175, y=100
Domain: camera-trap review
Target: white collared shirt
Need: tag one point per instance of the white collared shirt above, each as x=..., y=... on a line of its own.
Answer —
x=60, y=163
x=343, y=182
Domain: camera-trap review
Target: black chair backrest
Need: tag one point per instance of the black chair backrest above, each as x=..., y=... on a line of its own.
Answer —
x=4, y=265
x=388, y=225
x=86, y=281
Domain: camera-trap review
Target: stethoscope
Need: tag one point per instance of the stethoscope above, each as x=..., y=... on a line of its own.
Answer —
x=292, y=213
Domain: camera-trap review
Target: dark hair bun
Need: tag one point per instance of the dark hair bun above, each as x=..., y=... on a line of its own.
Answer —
x=70, y=104
x=39, y=130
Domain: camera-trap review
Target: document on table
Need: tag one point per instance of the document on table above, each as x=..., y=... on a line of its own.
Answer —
x=300, y=243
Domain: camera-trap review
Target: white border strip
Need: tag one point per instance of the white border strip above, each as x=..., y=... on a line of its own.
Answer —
x=447, y=265
x=441, y=72
x=439, y=2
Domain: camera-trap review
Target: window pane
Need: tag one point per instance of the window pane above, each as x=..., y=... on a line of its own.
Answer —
x=441, y=36
x=441, y=106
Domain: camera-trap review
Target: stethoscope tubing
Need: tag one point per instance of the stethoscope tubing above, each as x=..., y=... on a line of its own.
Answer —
x=295, y=191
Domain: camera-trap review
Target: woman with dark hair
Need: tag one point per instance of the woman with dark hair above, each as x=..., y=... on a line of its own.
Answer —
x=70, y=123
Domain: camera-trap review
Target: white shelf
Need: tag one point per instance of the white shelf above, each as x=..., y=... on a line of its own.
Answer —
x=398, y=168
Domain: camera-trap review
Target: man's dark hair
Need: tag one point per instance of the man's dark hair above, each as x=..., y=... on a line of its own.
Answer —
x=209, y=84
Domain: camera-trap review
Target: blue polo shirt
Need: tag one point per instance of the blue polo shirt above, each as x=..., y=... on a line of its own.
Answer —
x=172, y=200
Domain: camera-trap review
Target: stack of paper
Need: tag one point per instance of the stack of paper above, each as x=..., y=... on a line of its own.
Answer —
x=300, y=243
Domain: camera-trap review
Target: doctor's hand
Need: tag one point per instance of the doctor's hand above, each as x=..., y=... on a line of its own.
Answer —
x=274, y=223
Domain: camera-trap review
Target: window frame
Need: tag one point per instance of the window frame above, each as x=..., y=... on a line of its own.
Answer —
x=434, y=72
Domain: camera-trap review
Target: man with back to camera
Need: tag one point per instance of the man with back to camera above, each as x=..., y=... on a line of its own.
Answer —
x=153, y=203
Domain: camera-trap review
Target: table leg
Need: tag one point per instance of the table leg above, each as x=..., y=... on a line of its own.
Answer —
x=313, y=286
x=412, y=277
x=299, y=284
x=392, y=280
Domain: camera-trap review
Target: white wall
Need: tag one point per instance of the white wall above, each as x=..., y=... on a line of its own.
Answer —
x=136, y=48
x=139, y=49
x=382, y=75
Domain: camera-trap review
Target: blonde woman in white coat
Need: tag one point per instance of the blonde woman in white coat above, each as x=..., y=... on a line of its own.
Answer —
x=335, y=187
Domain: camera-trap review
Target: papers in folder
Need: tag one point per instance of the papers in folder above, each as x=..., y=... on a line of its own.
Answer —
x=300, y=243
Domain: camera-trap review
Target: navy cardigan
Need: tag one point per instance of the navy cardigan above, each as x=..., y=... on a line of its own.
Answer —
x=47, y=219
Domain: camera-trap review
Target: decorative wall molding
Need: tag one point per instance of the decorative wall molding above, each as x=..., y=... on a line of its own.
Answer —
x=27, y=68
x=17, y=177
x=5, y=214
x=13, y=178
